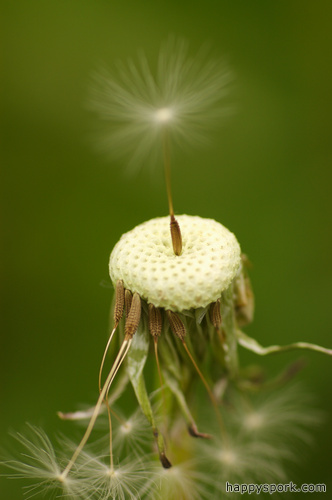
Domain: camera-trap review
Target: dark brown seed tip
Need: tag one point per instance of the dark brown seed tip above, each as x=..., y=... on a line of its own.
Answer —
x=164, y=461
x=193, y=431
x=176, y=236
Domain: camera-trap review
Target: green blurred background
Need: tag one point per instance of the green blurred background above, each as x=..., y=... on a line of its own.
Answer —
x=267, y=178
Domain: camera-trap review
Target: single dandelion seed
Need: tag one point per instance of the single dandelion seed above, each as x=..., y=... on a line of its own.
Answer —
x=117, y=313
x=132, y=435
x=181, y=93
x=129, y=479
x=281, y=417
x=39, y=463
x=145, y=107
x=244, y=462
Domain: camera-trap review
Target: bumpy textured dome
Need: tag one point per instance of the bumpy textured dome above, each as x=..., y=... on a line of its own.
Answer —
x=144, y=260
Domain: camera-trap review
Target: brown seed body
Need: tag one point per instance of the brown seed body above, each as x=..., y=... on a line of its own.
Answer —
x=176, y=236
x=134, y=317
x=176, y=325
x=119, y=302
x=155, y=321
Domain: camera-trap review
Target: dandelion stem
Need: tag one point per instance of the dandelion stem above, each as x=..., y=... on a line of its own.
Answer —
x=229, y=327
x=160, y=378
x=116, y=365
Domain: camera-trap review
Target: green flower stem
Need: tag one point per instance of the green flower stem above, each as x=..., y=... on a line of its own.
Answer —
x=230, y=328
x=176, y=390
x=135, y=364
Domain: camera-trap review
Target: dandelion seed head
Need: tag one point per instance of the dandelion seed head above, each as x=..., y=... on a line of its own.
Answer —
x=144, y=260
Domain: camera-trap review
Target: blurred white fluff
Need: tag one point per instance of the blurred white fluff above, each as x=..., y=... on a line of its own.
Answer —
x=130, y=479
x=183, y=93
x=183, y=481
x=283, y=417
x=90, y=478
x=265, y=434
x=39, y=463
